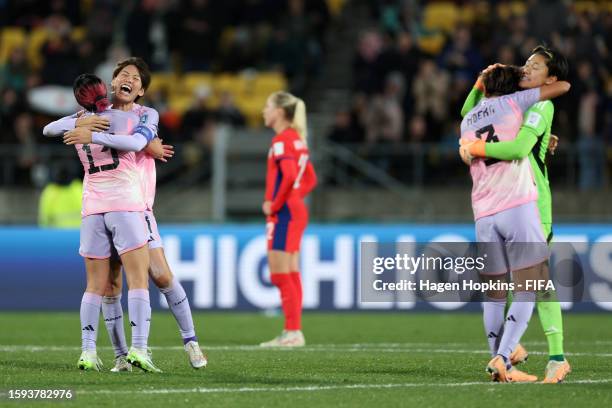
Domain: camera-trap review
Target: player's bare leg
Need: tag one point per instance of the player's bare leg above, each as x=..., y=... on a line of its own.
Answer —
x=177, y=300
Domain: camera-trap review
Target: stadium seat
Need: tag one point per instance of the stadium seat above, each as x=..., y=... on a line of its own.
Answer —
x=441, y=16
x=251, y=106
x=587, y=7
x=235, y=84
x=163, y=80
x=193, y=80
x=78, y=34
x=180, y=103
x=432, y=44
x=268, y=82
x=10, y=38
x=38, y=37
x=335, y=7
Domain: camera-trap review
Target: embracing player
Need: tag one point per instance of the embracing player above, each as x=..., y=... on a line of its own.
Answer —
x=113, y=219
x=131, y=78
x=290, y=178
x=507, y=218
x=544, y=66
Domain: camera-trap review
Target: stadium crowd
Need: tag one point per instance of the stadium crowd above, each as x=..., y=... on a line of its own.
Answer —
x=51, y=42
x=412, y=68
x=416, y=64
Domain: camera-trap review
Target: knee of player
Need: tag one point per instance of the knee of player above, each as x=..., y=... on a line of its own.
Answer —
x=162, y=279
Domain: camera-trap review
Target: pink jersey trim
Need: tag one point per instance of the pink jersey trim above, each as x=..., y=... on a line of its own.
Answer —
x=134, y=247
x=139, y=209
x=94, y=257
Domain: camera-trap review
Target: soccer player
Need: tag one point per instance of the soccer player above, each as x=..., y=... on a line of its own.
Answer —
x=113, y=216
x=507, y=217
x=290, y=178
x=131, y=79
x=544, y=66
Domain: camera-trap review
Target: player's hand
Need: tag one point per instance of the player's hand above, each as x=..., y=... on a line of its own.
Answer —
x=79, y=135
x=94, y=123
x=159, y=151
x=266, y=207
x=491, y=68
x=552, y=144
x=464, y=151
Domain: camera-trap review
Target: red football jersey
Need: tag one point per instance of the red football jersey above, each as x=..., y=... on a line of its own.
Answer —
x=294, y=179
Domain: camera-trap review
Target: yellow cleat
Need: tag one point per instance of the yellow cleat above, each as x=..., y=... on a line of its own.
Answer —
x=497, y=369
x=556, y=371
x=519, y=355
x=518, y=376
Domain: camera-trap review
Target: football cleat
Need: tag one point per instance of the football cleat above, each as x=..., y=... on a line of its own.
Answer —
x=556, y=371
x=288, y=338
x=497, y=369
x=196, y=357
x=519, y=355
x=89, y=361
x=518, y=376
x=141, y=358
x=121, y=364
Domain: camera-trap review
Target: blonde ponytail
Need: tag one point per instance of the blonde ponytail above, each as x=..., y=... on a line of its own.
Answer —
x=295, y=112
x=299, y=120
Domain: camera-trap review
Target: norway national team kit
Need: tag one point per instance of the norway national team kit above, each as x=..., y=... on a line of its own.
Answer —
x=286, y=227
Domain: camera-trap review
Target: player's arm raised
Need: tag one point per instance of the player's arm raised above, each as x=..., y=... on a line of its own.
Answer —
x=554, y=90
x=477, y=92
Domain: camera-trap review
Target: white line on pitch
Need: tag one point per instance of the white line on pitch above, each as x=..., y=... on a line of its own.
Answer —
x=332, y=348
x=204, y=390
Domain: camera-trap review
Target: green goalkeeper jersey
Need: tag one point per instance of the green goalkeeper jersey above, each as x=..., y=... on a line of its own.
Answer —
x=532, y=140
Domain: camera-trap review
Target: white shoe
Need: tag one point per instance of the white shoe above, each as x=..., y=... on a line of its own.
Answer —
x=196, y=357
x=288, y=338
x=121, y=364
x=89, y=361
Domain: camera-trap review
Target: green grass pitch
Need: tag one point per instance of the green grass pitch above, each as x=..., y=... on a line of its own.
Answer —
x=352, y=359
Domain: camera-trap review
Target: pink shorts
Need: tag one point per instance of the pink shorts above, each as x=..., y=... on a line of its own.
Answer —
x=123, y=230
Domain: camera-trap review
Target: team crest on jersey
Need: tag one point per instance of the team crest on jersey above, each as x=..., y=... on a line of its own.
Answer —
x=143, y=118
x=298, y=145
x=279, y=148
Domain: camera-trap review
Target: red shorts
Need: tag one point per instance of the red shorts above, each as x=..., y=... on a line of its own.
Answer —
x=285, y=229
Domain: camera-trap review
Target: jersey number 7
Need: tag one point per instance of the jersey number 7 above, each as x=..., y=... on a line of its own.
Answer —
x=302, y=162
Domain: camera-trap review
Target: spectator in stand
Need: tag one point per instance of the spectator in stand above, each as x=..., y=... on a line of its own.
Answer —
x=460, y=57
x=430, y=92
x=59, y=53
x=228, y=113
x=16, y=73
x=199, y=35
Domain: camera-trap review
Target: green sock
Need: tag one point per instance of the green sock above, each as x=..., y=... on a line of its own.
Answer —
x=549, y=310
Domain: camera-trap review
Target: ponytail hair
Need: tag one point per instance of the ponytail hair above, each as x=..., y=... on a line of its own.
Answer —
x=90, y=93
x=295, y=112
